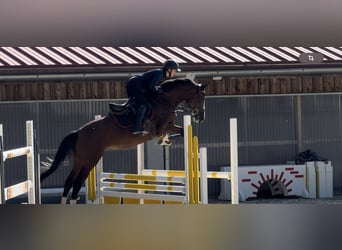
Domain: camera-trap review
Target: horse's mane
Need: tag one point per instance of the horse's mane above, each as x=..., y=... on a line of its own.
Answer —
x=175, y=83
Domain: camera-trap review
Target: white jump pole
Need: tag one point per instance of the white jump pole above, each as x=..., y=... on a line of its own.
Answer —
x=186, y=123
x=30, y=162
x=234, y=161
x=203, y=172
x=140, y=165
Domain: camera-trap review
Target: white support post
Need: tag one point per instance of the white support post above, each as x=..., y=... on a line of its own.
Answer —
x=186, y=122
x=30, y=162
x=140, y=165
x=140, y=158
x=99, y=170
x=2, y=170
x=204, y=179
x=234, y=161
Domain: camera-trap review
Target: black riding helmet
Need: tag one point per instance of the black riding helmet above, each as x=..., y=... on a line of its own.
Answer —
x=171, y=64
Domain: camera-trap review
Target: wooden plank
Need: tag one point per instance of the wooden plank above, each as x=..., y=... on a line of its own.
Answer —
x=71, y=90
x=307, y=84
x=116, y=89
x=263, y=85
x=229, y=88
x=274, y=85
x=106, y=90
x=2, y=91
x=285, y=85
x=296, y=85
x=46, y=91
x=317, y=83
x=10, y=92
x=94, y=91
x=219, y=86
x=60, y=90
x=82, y=90
x=252, y=86
x=328, y=84
x=338, y=83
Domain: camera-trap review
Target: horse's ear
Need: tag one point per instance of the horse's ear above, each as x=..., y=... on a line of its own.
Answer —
x=203, y=86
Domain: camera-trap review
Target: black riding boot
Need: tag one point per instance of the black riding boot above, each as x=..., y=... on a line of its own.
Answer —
x=138, y=128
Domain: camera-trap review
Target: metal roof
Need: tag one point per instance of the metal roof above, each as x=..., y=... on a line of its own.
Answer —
x=12, y=58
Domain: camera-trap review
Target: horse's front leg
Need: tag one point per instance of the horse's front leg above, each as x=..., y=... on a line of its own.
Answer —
x=172, y=132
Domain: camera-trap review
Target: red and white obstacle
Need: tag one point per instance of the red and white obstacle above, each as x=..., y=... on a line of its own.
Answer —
x=309, y=180
x=27, y=186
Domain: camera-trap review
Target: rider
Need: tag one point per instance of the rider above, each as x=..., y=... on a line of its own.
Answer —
x=138, y=86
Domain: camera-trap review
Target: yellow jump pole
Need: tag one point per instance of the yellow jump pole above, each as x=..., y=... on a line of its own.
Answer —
x=92, y=185
x=195, y=170
x=190, y=166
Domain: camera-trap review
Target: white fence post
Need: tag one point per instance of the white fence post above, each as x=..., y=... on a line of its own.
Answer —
x=234, y=161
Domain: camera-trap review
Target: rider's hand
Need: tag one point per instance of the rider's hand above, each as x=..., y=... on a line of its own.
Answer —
x=158, y=90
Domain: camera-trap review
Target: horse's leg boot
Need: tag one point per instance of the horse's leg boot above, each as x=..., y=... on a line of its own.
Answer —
x=64, y=200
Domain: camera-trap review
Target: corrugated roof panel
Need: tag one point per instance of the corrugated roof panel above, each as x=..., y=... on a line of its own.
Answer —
x=185, y=54
x=8, y=59
x=104, y=55
x=19, y=55
x=233, y=54
x=152, y=54
x=87, y=55
x=279, y=53
x=169, y=55
x=70, y=55
x=215, y=53
x=328, y=54
x=120, y=55
x=137, y=54
x=201, y=54
x=335, y=50
x=265, y=54
x=291, y=51
x=140, y=56
x=249, y=54
x=304, y=50
x=37, y=56
x=54, y=55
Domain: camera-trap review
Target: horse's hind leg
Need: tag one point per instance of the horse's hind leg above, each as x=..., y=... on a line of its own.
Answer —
x=69, y=183
x=82, y=176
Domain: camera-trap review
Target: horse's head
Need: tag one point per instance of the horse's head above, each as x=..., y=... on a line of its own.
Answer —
x=188, y=92
x=196, y=103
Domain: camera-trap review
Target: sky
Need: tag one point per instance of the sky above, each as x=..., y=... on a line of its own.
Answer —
x=177, y=23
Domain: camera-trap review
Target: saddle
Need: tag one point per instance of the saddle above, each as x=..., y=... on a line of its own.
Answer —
x=124, y=114
x=122, y=109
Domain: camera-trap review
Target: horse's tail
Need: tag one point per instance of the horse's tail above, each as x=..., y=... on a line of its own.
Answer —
x=64, y=148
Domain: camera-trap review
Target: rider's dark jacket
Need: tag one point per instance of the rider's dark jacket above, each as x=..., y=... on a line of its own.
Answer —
x=138, y=85
x=150, y=79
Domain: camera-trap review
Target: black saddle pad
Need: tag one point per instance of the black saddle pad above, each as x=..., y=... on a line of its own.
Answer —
x=126, y=118
x=123, y=120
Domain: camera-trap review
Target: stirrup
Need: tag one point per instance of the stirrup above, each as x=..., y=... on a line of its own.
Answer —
x=143, y=132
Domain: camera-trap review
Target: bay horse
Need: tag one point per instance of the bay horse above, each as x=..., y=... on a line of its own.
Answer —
x=88, y=143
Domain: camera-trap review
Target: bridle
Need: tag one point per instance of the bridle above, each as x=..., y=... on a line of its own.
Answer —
x=195, y=110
